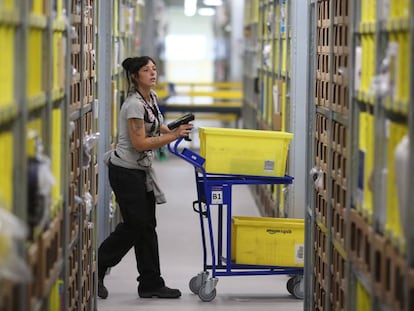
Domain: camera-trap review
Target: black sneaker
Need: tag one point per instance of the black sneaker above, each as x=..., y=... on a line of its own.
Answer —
x=162, y=292
x=102, y=291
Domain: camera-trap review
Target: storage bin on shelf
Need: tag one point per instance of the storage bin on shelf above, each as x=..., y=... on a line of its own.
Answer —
x=244, y=151
x=268, y=241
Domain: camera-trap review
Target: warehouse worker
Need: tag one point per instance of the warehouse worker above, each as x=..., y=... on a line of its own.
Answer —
x=133, y=181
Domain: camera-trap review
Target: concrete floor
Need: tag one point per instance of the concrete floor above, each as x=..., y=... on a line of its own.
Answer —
x=181, y=257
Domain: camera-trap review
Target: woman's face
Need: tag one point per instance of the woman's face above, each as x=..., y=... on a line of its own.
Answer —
x=147, y=75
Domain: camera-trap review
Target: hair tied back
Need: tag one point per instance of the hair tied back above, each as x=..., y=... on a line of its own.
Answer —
x=126, y=64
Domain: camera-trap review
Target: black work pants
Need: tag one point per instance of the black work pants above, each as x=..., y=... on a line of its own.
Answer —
x=137, y=207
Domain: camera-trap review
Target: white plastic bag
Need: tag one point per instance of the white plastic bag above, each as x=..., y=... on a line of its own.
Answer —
x=12, y=231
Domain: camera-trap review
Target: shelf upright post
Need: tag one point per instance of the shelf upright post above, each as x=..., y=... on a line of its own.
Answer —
x=410, y=211
x=104, y=112
x=299, y=107
x=310, y=192
x=352, y=154
x=80, y=185
x=410, y=198
x=48, y=79
x=65, y=158
x=380, y=145
x=19, y=129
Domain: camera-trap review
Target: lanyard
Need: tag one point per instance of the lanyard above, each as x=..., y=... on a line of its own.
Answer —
x=154, y=110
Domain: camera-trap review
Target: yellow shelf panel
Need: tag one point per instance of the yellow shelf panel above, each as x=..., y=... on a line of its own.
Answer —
x=399, y=9
x=363, y=298
x=367, y=61
x=7, y=4
x=393, y=224
x=269, y=103
x=403, y=76
x=35, y=63
x=37, y=6
x=399, y=72
x=58, y=60
x=364, y=202
x=6, y=169
x=6, y=64
x=285, y=55
x=115, y=21
x=59, y=8
x=54, y=297
x=366, y=163
x=56, y=152
x=368, y=11
x=283, y=102
x=369, y=164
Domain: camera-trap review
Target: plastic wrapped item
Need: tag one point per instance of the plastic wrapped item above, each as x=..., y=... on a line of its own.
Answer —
x=88, y=201
x=39, y=186
x=384, y=83
x=401, y=162
x=267, y=51
x=12, y=231
x=317, y=176
x=88, y=144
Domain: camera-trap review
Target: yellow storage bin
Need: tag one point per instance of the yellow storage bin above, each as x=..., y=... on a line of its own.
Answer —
x=268, y=241
x=244, y=152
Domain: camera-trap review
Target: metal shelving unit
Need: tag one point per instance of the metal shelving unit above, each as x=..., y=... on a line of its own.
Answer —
x=274, y=32
x=50, y=59
x=356, y=243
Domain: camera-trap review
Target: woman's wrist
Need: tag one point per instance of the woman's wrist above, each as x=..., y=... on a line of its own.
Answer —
x=176, y=134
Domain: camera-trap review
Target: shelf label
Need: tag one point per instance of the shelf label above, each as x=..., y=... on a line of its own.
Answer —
x=217, y=195
x=299, y=253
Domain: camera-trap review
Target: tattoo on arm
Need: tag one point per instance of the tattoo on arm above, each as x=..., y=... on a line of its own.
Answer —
x=155, y=140
x=136, y=126
x=137, y=130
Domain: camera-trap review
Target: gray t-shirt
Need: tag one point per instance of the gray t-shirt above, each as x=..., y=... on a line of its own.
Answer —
x=136, y=107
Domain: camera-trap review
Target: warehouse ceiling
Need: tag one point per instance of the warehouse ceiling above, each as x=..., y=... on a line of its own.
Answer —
x=174, y=2
x=180, y=3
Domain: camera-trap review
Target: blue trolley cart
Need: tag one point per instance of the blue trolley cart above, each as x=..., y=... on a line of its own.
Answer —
x=216, y=190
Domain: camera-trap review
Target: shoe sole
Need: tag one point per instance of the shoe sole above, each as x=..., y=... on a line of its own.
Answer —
x=156, y=295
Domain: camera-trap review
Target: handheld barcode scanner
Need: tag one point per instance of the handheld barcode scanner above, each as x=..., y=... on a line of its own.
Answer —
x=187, y=118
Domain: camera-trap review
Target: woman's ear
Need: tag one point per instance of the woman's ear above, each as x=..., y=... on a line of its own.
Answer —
x=134, y=76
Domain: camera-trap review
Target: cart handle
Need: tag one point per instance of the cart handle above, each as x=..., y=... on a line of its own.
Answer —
x=199, y=210
x=188, y=155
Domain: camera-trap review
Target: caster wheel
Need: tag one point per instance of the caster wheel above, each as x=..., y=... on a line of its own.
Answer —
x=289, y=285
x=204, y=296
x=297, y=290
x=195, y=285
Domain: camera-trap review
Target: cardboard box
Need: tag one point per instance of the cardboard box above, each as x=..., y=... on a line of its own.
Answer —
x=277, y=122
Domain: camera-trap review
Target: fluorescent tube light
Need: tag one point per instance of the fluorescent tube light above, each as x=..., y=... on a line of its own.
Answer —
x=213, y=2
x=206, y=11
x=190, y=7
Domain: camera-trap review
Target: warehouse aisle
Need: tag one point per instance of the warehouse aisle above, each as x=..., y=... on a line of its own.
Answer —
x=181, y=257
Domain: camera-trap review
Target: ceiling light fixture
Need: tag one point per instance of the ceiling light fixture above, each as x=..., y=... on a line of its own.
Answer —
x=213, y=2
x=190, y=7
x=206, y=11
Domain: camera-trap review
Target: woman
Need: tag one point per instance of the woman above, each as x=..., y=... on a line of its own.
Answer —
x=133, y=181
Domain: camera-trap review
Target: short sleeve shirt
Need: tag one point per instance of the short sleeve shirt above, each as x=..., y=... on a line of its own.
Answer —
x=135, y=107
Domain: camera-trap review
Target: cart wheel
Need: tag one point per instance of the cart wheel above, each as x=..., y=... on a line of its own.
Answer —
x=195, y=285
x=297, y=290
x=204, y=296
x=197, y=281
x=289, y=284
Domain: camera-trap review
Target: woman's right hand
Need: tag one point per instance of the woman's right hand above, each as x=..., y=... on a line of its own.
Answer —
x=183, y=130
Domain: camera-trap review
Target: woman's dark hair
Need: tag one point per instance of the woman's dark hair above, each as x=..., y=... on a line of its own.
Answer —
x=132, y=65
